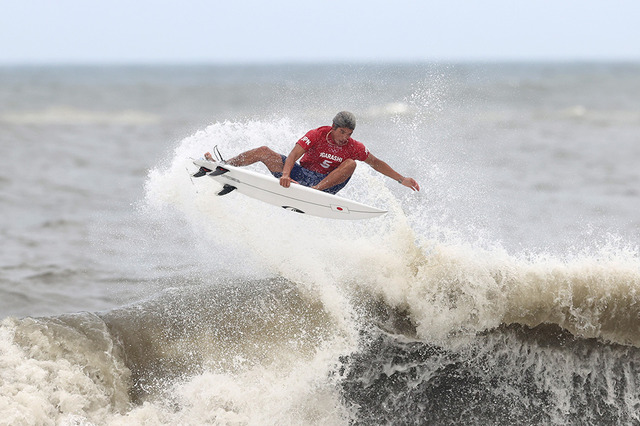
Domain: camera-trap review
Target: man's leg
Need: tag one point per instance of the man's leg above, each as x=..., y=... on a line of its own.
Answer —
x=264, y=154
x=339, y=175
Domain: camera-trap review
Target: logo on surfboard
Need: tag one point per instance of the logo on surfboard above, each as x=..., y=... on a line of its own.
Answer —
x=341, y=209
x=293, y=209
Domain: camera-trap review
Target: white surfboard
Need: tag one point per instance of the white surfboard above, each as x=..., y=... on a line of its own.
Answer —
x=297, y=198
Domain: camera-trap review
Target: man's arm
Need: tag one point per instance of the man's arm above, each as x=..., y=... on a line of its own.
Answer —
x=293, y=156
x=382, y=167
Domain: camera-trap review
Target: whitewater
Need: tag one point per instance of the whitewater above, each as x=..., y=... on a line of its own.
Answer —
x=504, y=292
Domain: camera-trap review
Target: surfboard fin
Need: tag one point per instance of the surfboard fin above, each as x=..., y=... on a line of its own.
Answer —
x=203, y=171
x=226, y=189
x=219, y=171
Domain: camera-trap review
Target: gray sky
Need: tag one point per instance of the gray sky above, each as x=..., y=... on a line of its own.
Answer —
x=183, y=31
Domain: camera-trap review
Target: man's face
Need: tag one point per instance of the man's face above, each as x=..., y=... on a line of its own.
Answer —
x=341, y=135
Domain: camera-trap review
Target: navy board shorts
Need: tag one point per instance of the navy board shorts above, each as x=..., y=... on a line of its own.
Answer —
x=308, y=177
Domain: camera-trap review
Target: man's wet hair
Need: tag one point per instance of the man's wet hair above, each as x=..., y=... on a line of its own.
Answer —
x=344, y=119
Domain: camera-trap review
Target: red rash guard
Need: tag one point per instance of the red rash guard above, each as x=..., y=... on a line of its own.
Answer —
x=323, y=157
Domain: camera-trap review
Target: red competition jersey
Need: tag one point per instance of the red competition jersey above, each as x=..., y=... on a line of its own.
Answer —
x=322, y=157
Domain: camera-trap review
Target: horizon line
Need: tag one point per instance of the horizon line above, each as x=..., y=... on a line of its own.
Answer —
x=337, y=62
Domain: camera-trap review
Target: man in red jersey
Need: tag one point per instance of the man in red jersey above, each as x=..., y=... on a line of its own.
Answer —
x=327, y=158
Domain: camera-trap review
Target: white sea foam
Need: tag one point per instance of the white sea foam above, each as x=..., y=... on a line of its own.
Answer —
x=449, y=287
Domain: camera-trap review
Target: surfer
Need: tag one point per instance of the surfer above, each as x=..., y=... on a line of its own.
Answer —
x=327, y=157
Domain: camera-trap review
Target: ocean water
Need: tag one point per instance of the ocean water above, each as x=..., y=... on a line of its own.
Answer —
x=505, y=292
